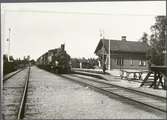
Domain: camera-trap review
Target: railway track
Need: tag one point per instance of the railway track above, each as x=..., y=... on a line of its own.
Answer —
x=142, y=98
x=16, y=89
x=23, y=99
x=118, y=78
x=12, y=74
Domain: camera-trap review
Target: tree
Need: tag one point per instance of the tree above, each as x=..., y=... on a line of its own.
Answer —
x=5, y=58
x=157, y=40
x=75, y=62
x=11, y=58
x=144, y=38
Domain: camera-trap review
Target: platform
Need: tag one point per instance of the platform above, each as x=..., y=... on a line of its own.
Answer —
x=125, y=83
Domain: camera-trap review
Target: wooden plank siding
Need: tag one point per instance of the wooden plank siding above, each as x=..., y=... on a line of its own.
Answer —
x=127, y=59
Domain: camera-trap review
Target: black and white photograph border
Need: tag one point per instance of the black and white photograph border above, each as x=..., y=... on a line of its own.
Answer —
x=83, y=59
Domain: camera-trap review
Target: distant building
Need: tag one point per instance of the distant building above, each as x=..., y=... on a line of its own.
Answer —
x=123, y=54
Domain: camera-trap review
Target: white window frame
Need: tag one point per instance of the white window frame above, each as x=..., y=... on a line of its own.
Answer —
x=131, y=62
x=140, y=62
x=122, y=61
x=144, y=63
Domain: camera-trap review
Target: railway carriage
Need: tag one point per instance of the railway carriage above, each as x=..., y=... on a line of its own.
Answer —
x=55, y=60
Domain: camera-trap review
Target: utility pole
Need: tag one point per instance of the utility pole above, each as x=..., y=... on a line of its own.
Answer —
x=165, y=57
x=4, y=30
x=8, y=39
x=109, y=54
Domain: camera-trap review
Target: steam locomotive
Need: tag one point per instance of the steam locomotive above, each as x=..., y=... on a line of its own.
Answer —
x=55, y=60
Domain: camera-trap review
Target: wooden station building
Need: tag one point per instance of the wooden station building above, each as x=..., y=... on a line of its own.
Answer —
x=123, y=54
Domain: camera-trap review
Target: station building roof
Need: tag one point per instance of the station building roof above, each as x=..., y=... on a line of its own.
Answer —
x=122, y=46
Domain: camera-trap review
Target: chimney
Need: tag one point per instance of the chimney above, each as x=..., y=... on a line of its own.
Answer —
x=62, y=46
x=123, y=38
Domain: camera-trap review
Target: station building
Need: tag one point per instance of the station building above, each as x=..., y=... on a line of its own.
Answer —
x=123, y=54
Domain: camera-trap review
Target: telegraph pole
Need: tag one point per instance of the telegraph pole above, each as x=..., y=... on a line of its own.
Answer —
x=165, y=57
x=8, y=39
x=109, y=56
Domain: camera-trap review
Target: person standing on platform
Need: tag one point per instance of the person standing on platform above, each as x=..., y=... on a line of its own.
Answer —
x=149, y=63
x=104, y=68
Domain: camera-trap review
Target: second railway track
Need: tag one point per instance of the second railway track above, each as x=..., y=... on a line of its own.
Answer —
x=145, y=99
x=14, y=95
x=12, y=74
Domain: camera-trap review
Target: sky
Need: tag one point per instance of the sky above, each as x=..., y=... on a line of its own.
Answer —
x=39, y=27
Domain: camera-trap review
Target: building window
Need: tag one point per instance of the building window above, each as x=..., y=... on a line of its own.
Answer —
x=142, y=62
x=131, y=62
x=120, y=61
x=115, y=60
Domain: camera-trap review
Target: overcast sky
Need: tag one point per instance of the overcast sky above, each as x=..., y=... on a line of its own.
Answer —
x=38, y=27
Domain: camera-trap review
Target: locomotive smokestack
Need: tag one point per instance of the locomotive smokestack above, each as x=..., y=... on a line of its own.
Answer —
x=63, y=46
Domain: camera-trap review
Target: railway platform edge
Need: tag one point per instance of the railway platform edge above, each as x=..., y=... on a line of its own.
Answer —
x=125, y=83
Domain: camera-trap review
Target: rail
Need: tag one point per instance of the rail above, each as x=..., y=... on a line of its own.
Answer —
x=23, y=99
x=99, y=71
x=12, y=74
x=145, y=99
